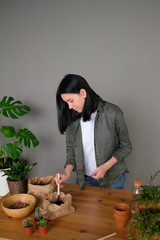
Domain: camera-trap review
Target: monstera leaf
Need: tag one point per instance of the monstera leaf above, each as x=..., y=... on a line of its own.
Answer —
x=14, y=150
x=13, y=109
x=25, y=137
x=14, y=142
x=8, y=131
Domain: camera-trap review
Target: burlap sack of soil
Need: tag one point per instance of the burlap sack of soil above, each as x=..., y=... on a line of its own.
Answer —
x=45, y=191
x=50, y=210
x=40, y=187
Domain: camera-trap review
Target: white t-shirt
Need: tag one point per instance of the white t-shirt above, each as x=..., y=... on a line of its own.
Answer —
x=87, y=129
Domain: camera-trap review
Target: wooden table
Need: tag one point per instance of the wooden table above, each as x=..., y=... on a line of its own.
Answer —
x=92, y=219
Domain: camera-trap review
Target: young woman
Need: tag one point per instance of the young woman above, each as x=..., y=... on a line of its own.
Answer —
x=97, y=140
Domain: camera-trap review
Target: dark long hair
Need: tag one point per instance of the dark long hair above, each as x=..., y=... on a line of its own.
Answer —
x=72, y=83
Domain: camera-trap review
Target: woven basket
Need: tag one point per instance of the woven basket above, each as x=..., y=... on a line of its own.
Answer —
x=16, y=187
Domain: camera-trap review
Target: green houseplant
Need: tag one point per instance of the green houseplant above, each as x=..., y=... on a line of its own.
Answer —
x=42, y=226
x=14, y=141
x=18, y=170
x=145, y=225
x=28, y=226
x=17, y=176
x=37, y=215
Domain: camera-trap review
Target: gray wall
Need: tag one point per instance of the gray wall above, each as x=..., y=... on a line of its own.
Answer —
x=114, y=44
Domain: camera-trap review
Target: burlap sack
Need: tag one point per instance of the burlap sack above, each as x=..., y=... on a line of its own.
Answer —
x=45, y=191
x=40, y=187
x=50, y=210
x=42, y=184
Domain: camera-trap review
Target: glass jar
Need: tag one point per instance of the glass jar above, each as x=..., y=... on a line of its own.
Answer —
x=135, y=195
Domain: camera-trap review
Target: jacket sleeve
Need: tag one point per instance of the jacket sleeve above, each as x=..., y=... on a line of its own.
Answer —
x=124, y=145
x=70, y=155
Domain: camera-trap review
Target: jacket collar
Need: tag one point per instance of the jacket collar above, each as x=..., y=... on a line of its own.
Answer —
x=99, y=109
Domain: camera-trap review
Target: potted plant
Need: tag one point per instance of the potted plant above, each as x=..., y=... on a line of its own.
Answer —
x=17, y=176
x=28, y=226
x=37, y=215
x=13, y=141
x=145, y=225
x=42, y=226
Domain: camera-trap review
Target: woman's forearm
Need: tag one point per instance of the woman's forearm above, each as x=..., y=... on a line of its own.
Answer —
x=110, y=163
x=68, y=170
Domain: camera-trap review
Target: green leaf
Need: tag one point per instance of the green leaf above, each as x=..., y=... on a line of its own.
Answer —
x=18, y=170
x=8, y=131
x=13, y=109
x=43, y=222
x=25, y=137
x=14, y=150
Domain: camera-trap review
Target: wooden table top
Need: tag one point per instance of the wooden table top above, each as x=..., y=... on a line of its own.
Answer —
x=92, y=219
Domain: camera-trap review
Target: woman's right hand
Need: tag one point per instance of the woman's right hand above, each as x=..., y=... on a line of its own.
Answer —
x=62, y=178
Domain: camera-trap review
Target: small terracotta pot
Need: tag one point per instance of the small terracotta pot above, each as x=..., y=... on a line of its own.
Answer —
x=121, y=214
x=28, y=230
x=36, y=222
x=43, y=230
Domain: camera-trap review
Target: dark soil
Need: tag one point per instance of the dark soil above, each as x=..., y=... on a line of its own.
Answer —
x=19, y=205
x=58, y=202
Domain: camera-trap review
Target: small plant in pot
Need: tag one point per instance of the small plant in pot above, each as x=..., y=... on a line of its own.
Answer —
x=28, y=226
x=13, y=142
x=145, y=225
x=42, y=226
x=37, y=215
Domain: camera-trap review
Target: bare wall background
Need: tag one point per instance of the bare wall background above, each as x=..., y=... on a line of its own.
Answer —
x=114, y=44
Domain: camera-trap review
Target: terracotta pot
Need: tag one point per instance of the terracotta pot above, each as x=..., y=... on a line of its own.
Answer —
x=43, y=230
x=36, y=221
x=28, y=230
x=121, y=214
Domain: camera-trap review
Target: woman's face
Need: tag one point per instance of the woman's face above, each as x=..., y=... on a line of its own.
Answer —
x=75, y=101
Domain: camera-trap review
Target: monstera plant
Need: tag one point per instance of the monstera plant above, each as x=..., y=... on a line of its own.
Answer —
x=13, y=141
x=12, y=144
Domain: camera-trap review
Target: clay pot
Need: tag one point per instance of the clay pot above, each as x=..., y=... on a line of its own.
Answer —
x=36, y=222
x=43, y=230
x=121, y=214
x=28, y=230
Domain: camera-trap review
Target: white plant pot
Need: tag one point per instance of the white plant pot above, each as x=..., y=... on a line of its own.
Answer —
x=3, y=185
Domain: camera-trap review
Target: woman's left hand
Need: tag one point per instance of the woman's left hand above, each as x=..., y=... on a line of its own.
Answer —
x=101, y=170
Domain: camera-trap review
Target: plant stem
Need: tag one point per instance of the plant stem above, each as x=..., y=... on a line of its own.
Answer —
x=1, y=116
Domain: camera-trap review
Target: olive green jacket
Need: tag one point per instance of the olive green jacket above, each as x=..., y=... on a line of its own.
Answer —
x=110, y=139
